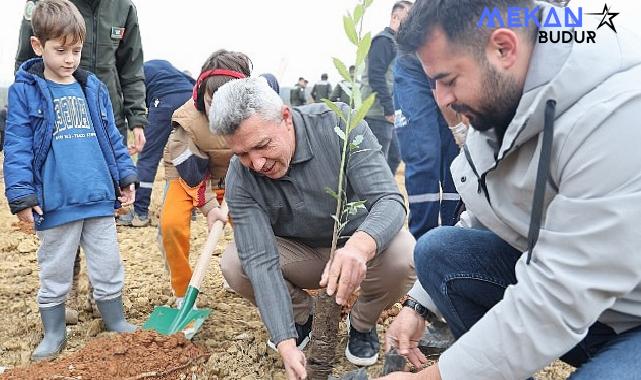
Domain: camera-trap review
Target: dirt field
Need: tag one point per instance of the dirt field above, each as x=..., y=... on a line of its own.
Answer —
x=233, y=334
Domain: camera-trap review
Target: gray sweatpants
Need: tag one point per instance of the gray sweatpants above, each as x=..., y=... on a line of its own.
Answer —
x=57, y=252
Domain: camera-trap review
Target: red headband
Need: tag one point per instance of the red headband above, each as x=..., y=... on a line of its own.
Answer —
x=209, y=73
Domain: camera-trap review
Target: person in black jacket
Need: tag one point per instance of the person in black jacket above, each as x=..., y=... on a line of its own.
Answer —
x=297, y=94
x=322, y=89
x=378, y=78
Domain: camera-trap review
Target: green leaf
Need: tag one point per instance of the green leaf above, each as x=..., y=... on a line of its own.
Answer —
x=342, y=69
x=335, y=108
x=350, y=29
x=362, y=111
x=339, y=132
x=363, y=48
x=358, y=13
x=331, y=192
x=357, y=140
x=358, y=204
x=367, y=3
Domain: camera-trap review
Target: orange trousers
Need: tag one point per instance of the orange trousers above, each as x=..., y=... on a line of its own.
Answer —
x=175, y=231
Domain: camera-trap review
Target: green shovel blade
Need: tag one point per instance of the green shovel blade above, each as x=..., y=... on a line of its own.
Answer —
x=167, y=321
x=162, y=318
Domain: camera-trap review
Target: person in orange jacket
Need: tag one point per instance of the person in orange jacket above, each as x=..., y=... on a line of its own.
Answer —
x=196, y=163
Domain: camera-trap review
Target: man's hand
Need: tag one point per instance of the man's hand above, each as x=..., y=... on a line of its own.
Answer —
x=429, y=373
x=139, y=141
x=390, y=118
x=349, y=267
x=215, y=214
x=127, y=195
x=404, y=333
x=26, y=215
x=293, y=359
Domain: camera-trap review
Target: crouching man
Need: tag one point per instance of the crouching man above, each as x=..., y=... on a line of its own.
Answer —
x=285, y=159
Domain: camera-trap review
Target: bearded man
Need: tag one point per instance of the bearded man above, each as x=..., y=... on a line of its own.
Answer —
x=546, y=261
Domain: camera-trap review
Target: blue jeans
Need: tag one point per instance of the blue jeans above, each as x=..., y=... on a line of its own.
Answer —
x=157, y=134
x=427, y=148
x=466, y=272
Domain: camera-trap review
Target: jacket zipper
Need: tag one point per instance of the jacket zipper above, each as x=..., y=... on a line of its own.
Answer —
x=113, y=152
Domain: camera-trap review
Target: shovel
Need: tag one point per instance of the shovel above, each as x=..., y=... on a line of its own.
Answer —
x=166, y=320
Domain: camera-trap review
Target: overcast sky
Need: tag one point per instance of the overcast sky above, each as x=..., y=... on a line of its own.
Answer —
x=289, y=38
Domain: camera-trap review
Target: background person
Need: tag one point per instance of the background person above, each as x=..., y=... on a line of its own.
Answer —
x=426, y=146
x=167, y=89
x=378, y=78
x=322, y=89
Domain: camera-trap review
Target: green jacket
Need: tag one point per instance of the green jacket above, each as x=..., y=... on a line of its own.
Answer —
x=112, y=50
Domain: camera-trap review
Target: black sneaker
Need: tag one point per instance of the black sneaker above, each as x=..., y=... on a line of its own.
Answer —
x=304, y=335
x=362, y=348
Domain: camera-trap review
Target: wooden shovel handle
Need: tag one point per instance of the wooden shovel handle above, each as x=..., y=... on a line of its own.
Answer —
x=205, y=257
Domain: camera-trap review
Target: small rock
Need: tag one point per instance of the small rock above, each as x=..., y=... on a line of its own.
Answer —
x=11, y=344
x=142, y=301
x=243, y=336
x=24, y=271
x=71, y=316
x=223, y=307
x=25, y=357
x=27, y=246
x=95, y=327
x=120, y=349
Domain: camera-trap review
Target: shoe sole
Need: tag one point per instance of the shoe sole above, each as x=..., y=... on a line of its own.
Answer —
x=361, y=362
x=301, y=346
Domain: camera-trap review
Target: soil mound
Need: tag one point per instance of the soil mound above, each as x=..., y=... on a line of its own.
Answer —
x=141, y=355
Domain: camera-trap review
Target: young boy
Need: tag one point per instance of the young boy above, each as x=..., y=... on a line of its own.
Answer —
x=65, y=168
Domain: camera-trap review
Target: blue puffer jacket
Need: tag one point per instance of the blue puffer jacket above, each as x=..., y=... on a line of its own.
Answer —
x=29, y=132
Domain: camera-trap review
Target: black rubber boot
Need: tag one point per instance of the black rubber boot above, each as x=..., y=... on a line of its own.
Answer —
x=53, y=323
x=113, y=315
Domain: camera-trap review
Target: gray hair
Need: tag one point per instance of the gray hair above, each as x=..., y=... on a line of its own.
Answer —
x=240, y=99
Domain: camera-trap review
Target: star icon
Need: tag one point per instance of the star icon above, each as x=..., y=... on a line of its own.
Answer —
x=607, y=17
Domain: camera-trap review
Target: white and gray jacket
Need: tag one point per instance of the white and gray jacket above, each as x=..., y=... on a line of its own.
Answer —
x=586, y=265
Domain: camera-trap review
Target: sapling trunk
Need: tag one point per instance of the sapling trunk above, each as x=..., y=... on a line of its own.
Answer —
x=327, y=315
